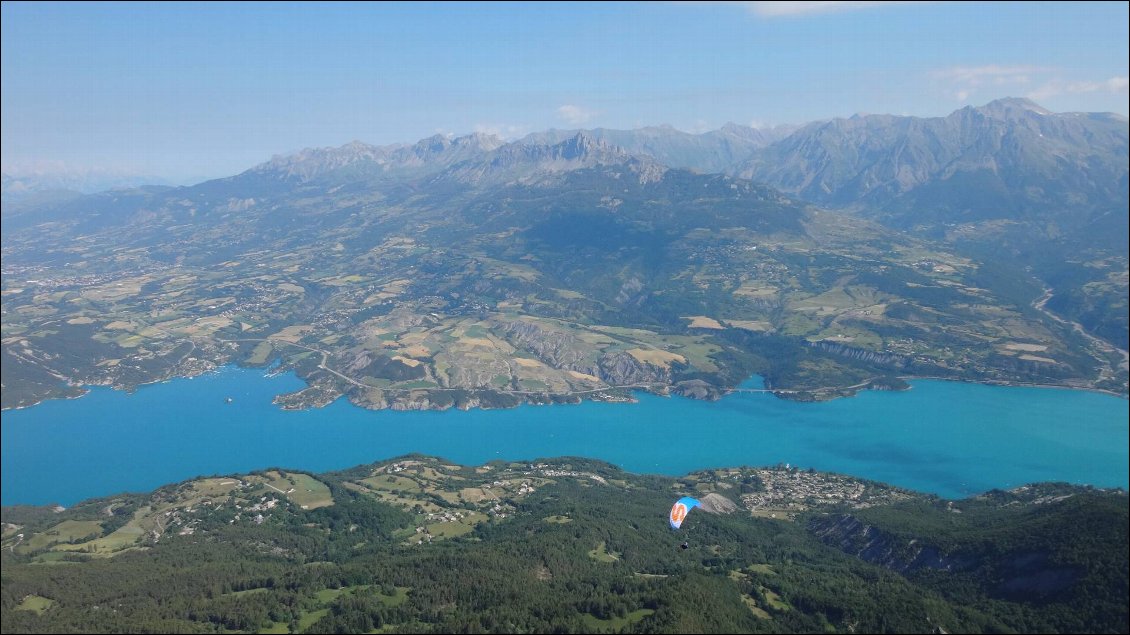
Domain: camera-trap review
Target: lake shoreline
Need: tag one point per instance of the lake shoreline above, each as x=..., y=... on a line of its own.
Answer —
x=617, y=393
x=58, y=507
x=949, y=438
x=1018, y=384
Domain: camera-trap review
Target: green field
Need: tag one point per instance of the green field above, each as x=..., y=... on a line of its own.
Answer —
x=302, y=489
x=759, y=612
x=236, y=594
x=397, y=598
x=533, y=384
x=308, y=618
x=309, y=492
x=53, y=558
x=392, y=483
x=35, y=603
x=261, y=353
x=774, y=599
x=123, y=538
x=327, y=596
x=601, y=554
x=65, y=532
x=615, y=624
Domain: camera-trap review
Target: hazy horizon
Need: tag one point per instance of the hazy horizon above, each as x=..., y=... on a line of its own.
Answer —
x=191, y=91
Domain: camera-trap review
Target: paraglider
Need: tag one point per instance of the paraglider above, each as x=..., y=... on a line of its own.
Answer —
x=711, y=503
x=680, y=509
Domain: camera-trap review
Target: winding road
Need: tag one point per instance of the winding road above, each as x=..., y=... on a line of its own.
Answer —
x=1100, y=344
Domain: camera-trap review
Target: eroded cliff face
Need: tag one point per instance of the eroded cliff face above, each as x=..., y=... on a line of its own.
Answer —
x=565, y=351
x=867, y=542
x=558, y=349
x=622, y=369
x=1018, y=575
x=885, y=359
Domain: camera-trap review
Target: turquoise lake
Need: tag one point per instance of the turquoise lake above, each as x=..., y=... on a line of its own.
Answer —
x=947, y=438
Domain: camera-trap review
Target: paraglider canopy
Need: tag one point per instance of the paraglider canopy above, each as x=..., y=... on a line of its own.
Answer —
x=680, y=509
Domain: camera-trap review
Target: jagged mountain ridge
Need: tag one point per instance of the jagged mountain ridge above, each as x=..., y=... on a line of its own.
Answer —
x=862, y=160
x=433, y=152
x=1030, y=158
x=1009, y=160
x=357, y=167
x=708, y=152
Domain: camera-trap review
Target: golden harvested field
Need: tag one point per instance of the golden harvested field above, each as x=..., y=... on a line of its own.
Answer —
x=416, y=350
x=703, y=322
x=1028, y=348
x=1037, y=358
x=292, y=334
x=751, y=325
x=656, y=357
x=583, y=376
x=755, y=291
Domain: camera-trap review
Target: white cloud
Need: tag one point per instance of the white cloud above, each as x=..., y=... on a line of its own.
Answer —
x=1118, y=84
x=790, y=9
x=575, y=115
x=504, y=130
x=962, y=82
x=990, y=74
x=1057, y=87
x=992, y=81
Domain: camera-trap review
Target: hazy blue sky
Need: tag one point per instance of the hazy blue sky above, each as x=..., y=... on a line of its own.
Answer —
x=183, y=90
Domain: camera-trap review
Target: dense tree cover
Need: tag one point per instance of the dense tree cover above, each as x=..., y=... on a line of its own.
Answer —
x=995, y=547
x=583, y=557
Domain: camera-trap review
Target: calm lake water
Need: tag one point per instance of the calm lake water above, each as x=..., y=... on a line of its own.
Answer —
x=947, y=438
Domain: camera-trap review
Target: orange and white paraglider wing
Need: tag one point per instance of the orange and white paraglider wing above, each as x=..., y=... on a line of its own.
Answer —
x=680, y=509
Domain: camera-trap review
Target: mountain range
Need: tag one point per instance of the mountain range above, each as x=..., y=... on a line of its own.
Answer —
x=469, y=271
x=18, y=183
x=1050, y=188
